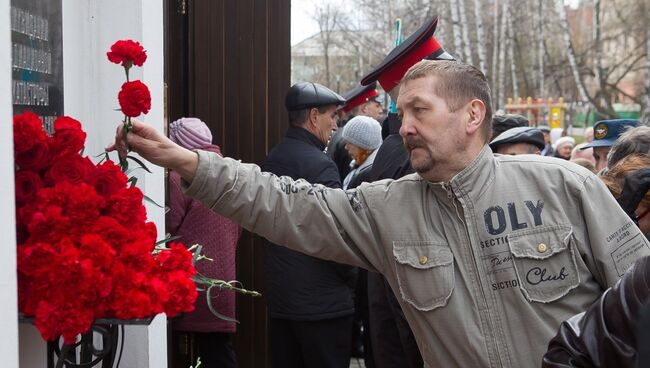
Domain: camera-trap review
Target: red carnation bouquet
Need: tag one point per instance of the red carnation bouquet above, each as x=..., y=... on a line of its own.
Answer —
x=85, y=248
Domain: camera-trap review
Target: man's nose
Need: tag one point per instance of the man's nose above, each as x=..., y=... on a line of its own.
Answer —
x=406, y=128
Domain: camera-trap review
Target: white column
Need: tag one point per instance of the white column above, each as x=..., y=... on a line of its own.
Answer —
x=91, y=84
x=8, y=293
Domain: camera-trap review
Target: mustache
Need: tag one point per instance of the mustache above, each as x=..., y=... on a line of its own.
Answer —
x=411, y=143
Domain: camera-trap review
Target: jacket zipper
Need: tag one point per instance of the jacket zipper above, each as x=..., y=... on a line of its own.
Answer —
x=453, y=198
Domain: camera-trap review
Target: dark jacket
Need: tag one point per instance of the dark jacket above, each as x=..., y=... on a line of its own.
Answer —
x=611, y=331
x=301, y=287
x=337, y=152
x=392, y=159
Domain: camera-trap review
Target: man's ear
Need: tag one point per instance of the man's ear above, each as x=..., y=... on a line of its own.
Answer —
x=475, y=114
x=313, y=115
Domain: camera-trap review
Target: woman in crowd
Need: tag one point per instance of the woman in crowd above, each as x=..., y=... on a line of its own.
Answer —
x=362, y=136
x=564, y=146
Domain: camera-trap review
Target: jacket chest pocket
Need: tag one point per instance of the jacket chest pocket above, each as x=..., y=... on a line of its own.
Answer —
x=544, y=262
x=425, y=273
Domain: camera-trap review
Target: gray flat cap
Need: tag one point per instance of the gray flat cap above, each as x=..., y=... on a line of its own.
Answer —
x=303, y=95
x=530, y=135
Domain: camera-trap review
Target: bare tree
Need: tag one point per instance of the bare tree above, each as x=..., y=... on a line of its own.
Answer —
x=645, y=91
x=571, y=54
x=328, y=17
x=502, y=54
x=480, y=38
x=458, y=41
x=541, y=47
x=495, y=43
x=512, y=61
x=464, y=28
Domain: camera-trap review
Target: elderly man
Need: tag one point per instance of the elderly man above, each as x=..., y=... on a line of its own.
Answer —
x=310, y=300
x=605, y=134
x=632, y=141
x=519, y=141
x=487, y=261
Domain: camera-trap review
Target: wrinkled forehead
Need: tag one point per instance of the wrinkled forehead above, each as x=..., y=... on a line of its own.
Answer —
x=416, y=90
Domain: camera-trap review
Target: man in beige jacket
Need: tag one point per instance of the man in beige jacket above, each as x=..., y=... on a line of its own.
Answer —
x=487, y=254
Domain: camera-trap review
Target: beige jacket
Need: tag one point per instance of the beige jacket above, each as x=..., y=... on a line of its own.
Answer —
x=487, y=265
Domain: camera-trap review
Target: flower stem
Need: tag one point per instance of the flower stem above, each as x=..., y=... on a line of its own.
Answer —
x=63, y=355
x=127, y=128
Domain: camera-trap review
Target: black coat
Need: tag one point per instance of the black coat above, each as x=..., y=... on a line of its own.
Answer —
x=337, y=152
x=392, y=161
x=300, y=287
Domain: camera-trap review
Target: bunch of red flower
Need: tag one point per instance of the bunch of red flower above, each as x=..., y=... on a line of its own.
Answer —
x=84, y=245
x=134, y=97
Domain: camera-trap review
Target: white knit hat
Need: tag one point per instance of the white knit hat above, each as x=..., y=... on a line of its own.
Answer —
x=191, y=133
x=564, y=141
x=363, y=131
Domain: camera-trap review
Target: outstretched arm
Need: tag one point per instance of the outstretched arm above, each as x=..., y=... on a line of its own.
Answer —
x=156, y=148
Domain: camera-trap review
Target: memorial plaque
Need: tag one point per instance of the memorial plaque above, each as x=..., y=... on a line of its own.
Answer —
x=37, y=58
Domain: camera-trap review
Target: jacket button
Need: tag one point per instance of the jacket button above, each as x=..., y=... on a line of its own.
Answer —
x=541, y=247
x=424, y=260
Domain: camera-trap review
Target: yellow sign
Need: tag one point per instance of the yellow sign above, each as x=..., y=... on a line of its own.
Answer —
x=555, y=117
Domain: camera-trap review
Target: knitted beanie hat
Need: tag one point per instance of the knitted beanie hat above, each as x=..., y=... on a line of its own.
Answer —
x=190, y=133
x=563, y=141
x=363, y=131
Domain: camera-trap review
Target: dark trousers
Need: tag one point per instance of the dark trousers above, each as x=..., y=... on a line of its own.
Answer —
x=215, y=350
x=361, y=327
x=311, y=344
x=393, y=343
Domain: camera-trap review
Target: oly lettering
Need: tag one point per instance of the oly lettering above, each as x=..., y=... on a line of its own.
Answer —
x=496, y=221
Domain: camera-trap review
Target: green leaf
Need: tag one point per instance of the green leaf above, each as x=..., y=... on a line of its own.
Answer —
x=197, y=253
x=219, y=315
x=139, y=163
x=148, y=199
x=167, y=240
x=132, y=180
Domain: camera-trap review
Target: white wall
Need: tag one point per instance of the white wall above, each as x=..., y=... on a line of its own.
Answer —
x=8, y=307
x=91, y=84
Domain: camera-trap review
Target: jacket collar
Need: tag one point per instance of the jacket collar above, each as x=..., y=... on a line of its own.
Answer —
x=477, y=177
x=304, y=135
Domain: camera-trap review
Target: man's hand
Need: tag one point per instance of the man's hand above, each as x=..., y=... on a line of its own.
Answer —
x=155, y=148
x=635, y=188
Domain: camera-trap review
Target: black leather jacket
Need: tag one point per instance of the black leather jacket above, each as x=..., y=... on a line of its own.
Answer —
x=608, y=333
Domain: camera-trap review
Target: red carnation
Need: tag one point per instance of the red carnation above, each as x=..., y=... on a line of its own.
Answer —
x=37, y=157
x=28, y=129
x=134, y=98
x=27, y=184
x=127, y=52
x=72, y=168
x=68, y=135
x=107, y=179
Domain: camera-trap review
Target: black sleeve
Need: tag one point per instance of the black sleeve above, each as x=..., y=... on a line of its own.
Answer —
x=329, y=176
x=392, y=161
x=607, y=334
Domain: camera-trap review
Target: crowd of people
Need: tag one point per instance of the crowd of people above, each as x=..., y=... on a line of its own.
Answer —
x=440, y=235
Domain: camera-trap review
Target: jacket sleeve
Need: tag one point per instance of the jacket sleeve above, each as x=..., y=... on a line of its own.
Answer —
x=606, y=334
x=311, y=219
x=610, y=239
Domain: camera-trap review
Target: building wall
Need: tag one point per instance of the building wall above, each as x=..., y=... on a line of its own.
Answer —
x=8, y=307
x=91, y=84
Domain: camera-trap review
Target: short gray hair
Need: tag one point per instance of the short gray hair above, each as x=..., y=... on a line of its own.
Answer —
x=458, y=84
x=635, y=140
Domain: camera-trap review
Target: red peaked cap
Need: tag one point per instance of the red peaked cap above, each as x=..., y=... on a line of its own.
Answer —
x=415, y=48
x=358, y=96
